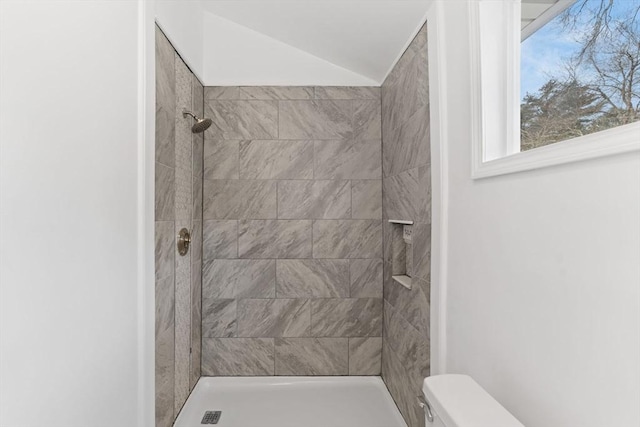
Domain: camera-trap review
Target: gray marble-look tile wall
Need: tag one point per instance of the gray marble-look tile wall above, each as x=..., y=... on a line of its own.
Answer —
x=179, y=170
x=292, y=246
x=406, y=188
x=183, y=207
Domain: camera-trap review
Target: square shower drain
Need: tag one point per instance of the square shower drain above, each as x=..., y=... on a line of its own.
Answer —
x=211, y=417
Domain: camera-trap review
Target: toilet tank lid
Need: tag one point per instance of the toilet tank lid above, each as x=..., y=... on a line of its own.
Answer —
x=460, y=402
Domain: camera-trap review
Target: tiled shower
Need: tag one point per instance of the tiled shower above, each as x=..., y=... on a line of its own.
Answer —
x=288, y=198
x=406, y=187
x=178, y=205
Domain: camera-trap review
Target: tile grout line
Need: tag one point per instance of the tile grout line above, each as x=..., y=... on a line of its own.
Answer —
x=382, y=209
x=310, y=317
x=349, y=356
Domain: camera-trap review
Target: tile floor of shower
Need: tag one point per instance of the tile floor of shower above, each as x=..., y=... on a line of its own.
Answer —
x=292, y=402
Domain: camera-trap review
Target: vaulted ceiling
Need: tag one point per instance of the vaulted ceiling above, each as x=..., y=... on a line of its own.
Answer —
x=356, y=41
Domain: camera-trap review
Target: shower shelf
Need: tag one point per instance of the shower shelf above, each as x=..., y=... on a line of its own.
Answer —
x=403, y=279
x=401, y=221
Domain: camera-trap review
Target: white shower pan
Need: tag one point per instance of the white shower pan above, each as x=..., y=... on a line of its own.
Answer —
x=292, y=402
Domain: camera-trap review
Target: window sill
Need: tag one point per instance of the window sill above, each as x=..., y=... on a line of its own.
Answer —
x=618, y=140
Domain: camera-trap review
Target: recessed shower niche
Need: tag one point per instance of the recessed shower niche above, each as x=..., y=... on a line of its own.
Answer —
x=401, y=251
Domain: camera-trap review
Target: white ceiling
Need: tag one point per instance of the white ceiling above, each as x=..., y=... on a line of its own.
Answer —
x=361, y=37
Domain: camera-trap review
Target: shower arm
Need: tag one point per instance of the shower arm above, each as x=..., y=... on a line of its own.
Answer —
x=186, y=113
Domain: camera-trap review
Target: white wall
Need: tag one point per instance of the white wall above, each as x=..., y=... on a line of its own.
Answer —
x=72, y=196
x=182, y=23
x=543, y=289
x=237, y=55
x=365, y=37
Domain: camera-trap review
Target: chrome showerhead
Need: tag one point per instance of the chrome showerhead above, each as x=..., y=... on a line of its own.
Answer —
x=200, y=125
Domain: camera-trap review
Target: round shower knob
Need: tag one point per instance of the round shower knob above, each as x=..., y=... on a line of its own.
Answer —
x=184, y=240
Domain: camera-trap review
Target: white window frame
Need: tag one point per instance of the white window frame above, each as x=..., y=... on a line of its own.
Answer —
x=495, y=101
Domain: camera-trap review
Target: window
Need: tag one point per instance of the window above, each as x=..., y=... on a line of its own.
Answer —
x=557, y=87
x=579, y=72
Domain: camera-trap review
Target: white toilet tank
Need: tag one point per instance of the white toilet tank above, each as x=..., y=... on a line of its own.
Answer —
x=458, y=401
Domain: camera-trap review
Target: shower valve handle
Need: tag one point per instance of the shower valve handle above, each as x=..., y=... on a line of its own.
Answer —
x=184, y=240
